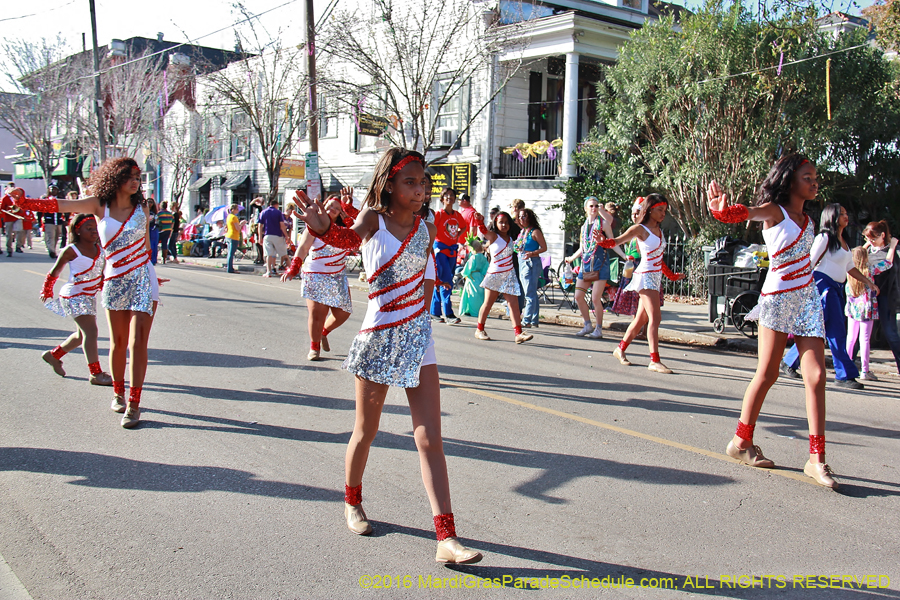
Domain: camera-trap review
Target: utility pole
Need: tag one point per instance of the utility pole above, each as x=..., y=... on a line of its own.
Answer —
x=98, y=101
x=311, y=72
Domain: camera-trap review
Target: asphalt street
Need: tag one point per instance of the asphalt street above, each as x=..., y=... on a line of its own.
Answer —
x=577, y=477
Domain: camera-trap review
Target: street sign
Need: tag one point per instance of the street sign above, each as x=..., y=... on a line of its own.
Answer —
x=312, y=165
x=313, y=188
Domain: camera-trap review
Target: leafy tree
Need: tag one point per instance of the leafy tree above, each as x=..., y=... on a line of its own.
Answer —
x=708, y=99
x=884, y=16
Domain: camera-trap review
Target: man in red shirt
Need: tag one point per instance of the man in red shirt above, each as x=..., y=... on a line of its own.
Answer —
x=12, y=221
x=468, y=214
x=451, y=229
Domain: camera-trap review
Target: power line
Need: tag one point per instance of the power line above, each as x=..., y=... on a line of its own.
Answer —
x=38, y=13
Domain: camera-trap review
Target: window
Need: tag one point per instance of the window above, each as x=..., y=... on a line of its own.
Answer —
x=327, y=121
x=240, y=135
x=214, y=139
x=635, y=4
x=451, y=100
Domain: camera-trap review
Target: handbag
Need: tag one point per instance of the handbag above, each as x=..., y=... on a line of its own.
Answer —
x=590, y=276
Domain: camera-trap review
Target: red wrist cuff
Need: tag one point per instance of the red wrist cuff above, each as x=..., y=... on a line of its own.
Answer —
x=733, y=214
x=296, y=263
x=608, y=243
x=47, y=290
x=50, y=205
x=339, y=237
x=671, y=275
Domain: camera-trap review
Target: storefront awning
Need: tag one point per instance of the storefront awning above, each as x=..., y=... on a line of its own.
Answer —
x=295, y=184
x=195, y=187
x=235, y=180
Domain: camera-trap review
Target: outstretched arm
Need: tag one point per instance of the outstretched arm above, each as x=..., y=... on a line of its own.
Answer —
x=54, y=205
x=319, y=224
x=635, y=231
x=737, y=213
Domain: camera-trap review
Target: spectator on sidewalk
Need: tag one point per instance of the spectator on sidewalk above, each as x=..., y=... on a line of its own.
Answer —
x=883, y=265
x=272, y=230
x=232, y=235
x=54, y=225
x=152, y=211
x=28, y=228
x=529, y=245
x=164, y=220
x=256, y=208
x=451, y=229
x=12, y=221
x=472, y=296
x=177, y=222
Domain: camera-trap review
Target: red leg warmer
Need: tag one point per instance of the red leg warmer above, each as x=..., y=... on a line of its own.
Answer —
x=353, y=495
x=444, y=527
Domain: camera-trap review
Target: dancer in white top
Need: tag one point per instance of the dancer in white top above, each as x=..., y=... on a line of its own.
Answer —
x=647, y=278
x=788, y=305
x=394, y=346
x=78, y=297
x=131, y=291
x=324, y=285
x=501, y=276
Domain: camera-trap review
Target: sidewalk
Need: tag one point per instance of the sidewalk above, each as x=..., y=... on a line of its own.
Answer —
x=682, y=323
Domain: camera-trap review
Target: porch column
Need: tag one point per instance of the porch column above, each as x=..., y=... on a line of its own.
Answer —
x=570, y=114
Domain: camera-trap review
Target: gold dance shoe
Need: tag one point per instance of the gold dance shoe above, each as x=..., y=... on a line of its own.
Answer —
x=54, y=362
x=450, y=551
x=132, y=416
x=822, y=473
x=357, y=522
x=118, y=404
x=620, y=355
x=658, y=367
x=752, y=456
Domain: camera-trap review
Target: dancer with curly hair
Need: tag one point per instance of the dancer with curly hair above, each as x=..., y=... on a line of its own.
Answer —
x=788, y=305
x=131, y=290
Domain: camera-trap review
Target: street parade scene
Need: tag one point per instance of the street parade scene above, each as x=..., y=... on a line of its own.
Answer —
x=608, y=275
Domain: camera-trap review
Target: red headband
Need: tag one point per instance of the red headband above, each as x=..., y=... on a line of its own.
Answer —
x=657, y=204
x=82, y=222
x=802, y=162
x=396, y=169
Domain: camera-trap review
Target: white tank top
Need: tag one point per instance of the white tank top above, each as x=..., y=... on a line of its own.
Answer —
x=396, y=276
x=85, y=274
x=788, y=246
x=501, y=256
x=325, y=259
x=652, y=250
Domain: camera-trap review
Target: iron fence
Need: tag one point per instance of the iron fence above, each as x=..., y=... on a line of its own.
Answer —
x=535, y=167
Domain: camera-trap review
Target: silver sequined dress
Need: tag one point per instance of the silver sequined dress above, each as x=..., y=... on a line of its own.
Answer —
x=323, y=278
x=128, y=273
x=395, y=339
x=501, y=275
x=790, y=302
x=78, y=296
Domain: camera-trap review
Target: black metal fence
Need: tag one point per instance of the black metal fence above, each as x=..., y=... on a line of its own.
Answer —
x=534, y=167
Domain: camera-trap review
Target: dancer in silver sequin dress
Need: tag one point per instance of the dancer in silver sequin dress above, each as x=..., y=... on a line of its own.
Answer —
x=324, y=284
x=131, y=290
x=788, y=305
x=78, y=297
x=501, y=276
x=394, y=346
x=647, y=279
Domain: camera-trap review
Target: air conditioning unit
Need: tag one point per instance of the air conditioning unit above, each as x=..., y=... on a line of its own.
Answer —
x=447, y=137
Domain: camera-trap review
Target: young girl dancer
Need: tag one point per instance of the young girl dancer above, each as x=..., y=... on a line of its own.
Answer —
x=861, y=310
x=501, y=276
x=647, y=278
x=324, y=284
x=394, y=346
x=77, y=298
x=131, y=290
x=788, y=305
x=594, y=271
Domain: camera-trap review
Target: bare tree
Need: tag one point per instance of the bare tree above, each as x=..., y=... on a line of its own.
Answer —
x=135, y=99
x=259, y=103
x=43, y=97
x=176, y=146
x=415, y=64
